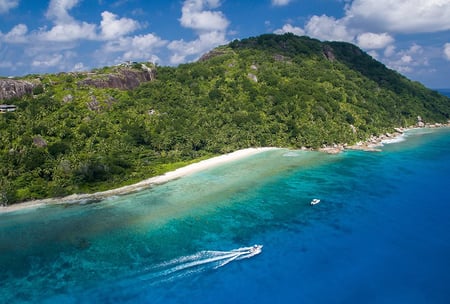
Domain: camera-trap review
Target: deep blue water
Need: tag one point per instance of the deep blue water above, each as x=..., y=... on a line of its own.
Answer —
x=445, y=92
x=381, y=234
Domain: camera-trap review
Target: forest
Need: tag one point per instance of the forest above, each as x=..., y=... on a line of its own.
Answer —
x=271, y=90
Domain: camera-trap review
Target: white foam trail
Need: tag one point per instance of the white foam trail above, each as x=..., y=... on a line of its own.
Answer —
x=199, y=262
x=171, y=270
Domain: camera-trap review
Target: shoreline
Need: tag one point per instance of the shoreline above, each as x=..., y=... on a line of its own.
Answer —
x=373, y=143
x=145, y=184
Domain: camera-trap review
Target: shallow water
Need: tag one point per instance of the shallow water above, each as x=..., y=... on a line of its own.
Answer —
x=379, y=234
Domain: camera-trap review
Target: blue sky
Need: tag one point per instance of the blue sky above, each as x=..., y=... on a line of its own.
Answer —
x=410, y=36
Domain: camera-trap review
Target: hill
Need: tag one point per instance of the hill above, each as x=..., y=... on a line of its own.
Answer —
x=85, y=132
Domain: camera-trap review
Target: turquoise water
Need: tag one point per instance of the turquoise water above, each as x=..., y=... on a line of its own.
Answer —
x=379, y=235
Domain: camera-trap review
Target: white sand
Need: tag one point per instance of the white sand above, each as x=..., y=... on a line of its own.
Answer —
x=184, y=171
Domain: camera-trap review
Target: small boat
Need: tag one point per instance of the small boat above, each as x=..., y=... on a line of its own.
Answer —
x=315, y=201
x=255, y=249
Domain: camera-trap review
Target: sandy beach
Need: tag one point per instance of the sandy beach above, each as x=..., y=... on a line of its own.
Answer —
x=184, y=171
x=372, y=144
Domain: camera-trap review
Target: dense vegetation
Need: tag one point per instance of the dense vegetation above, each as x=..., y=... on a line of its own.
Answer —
x=266, y=91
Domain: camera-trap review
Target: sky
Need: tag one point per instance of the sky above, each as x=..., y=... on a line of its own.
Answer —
x=40, y=36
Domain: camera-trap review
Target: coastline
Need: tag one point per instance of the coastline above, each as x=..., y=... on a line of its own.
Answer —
x=374, y=143
x=147, y=183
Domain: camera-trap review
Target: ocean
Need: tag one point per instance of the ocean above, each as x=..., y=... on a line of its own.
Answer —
x=380, y=234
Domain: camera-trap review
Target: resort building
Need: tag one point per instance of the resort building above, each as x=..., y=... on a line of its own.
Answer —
x=7, y=108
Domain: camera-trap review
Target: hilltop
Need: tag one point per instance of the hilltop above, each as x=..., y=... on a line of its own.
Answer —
x=85, y=132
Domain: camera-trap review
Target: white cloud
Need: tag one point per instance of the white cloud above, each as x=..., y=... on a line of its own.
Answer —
x=182, y=49
x=209, y=25
x=447, y=51
x=6, y=5
x=328, y=28
x=62, y=61
x=374, y=54
x=400, y=16
x=287, y=28
x=17, y=34
x=148, y=42
x=407, y=61
x=66, y=28
x=112, y=27
x=374, y=41
x=141, y=47
x=372, y=23
x=389, y=51
x=48, y=61
x=69, y=32
x=78, y=67
x=194, y=16
x=280, y=2
x=6, y=64
x=58, y=10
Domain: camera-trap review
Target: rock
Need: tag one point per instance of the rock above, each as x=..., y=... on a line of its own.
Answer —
x=211, y=54
x=328, y=53
x=279, y=57
x=67, y=98
x=252, y=77
x=335, y=149
x=39, y=142
x=124, y=79
x=11, y=88
x=420, y=122
x=94, y=105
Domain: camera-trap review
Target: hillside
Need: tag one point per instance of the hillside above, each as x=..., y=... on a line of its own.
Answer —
x=85, y=132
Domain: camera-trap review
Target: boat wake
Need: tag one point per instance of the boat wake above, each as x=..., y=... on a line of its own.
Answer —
x=166, y=272
x=198, y=262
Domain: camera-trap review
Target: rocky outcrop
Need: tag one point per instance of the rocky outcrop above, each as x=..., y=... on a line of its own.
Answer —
x=252, y=77
x=328, y=53
x=279, y=57
x=124, y=79
x=420, y=122
x=39, y=142
x=211, y=54
x=11, y=88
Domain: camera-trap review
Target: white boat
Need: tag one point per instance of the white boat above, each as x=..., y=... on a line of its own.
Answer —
x=256, y=249
x=253, y=250
x=315, y=201
x=241, y=253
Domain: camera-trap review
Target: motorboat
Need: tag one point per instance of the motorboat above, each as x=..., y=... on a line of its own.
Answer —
x=315, y=201
x=255, y=249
